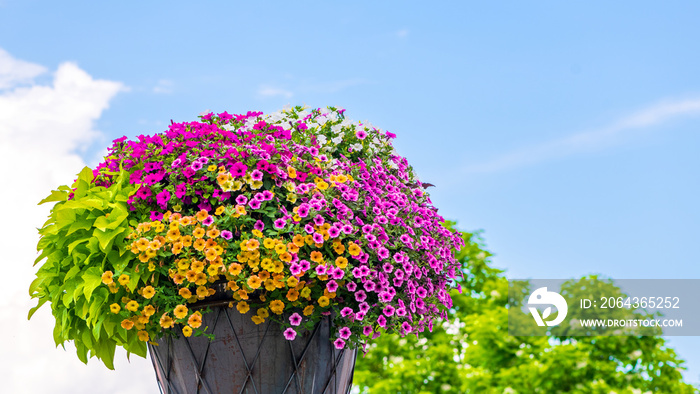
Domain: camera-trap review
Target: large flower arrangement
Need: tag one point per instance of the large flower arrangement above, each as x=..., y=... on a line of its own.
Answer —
x=299, y=214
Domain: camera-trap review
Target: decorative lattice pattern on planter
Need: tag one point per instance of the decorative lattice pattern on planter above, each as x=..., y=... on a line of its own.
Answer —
x=249, y=358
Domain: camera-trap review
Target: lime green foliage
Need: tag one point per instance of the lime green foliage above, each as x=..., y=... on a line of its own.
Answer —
x=81, y=236
x=475, y=354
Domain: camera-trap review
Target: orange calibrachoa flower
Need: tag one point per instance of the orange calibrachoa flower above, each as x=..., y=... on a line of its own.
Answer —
x=316, y=256
x=107, y=277
x=202, y=215
x=254, y=282
x=149, y=310
x=127, y=324
x=195, y=320
x=198, y=232
x=354, y=249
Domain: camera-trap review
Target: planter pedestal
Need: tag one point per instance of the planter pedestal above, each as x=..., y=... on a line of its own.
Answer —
x=249, y=358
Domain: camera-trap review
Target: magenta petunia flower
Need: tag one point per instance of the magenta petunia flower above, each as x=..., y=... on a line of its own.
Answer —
x=332, y=286
x=361, y=134
x=333, y=231
x=345, y=312
x=196, y=166
x=407, y=327
x=255, y=204
x=345, y=332
x=290, y=334
x=208, y=221
x=381, y=320
x=238, y=169
x=351, y=286
x=320, y=270
x=339, y=343
x=295, y=269
x=256, y=175
x=366, y=330
x=318, y=238
x=304, y=265
x=227, y=235
x=295, y=319
x=389, y=310
x=241, y=200
x=279, y=223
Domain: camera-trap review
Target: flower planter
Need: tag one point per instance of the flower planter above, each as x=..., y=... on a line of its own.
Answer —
x=249, y=358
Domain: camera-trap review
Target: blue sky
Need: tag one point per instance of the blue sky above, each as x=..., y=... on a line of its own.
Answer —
x=567, y=132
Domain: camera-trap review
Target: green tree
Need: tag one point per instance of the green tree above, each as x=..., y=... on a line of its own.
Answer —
x=473, y=352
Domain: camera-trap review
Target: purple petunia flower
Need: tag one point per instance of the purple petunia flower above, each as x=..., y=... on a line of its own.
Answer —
x=290, y=334
x=227, y=235
x=295, y=319
x=366, y=330
x=259, y=225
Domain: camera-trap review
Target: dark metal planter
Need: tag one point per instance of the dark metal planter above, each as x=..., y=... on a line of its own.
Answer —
x=249, y=358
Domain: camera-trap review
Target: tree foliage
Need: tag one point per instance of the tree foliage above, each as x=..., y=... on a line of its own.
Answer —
x=474, y=353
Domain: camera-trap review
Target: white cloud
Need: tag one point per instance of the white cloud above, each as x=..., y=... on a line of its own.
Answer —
x=269, y=91
x=593, y=140
x=14, y=72
x=41, y=128
x=164, y=86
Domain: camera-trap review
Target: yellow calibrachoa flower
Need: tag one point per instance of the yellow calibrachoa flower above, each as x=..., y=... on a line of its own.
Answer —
x=243, y=307
x=202, y=292
x=198, y=232
x=107, y=277
x=323, y=301
x=149, y=310
x=235, y=269
x=298, y=240
x=262, y=312
x=257, y=319
x=213, y=233
x=292, y=281
x=148, y=292
x=166, y=321
x=269, y=243
x=123, y=279
x=115, y=308
x=187, y=331
x=277, y=307
x=292, y=295
x=202, y=214
x=354, y=249
x=132, y=306
x=292, y=172
x=143, y=336
x=306, y=292
x=341, y=262
x=180, y=311
x=308, y=310
x=257, y=233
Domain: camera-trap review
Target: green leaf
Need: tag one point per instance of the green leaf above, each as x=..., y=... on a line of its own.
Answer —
x=56, y=195
x=91, y=279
